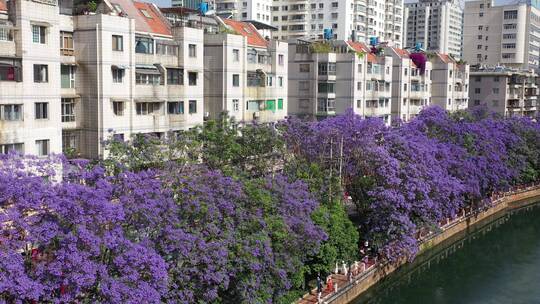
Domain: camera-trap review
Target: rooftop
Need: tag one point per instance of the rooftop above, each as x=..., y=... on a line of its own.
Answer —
x=248, y=30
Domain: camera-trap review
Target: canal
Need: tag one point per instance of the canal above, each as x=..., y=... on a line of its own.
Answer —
x=498, y=263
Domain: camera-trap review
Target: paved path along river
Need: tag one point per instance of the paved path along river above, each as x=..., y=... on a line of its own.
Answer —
x=500, y=266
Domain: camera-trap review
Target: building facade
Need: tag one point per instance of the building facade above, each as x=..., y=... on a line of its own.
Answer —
x=437, y=25
x=411, y=85
x=449, y=83
x=507, y=35
x=69, y=81
x=325, y=81
x=242, y=10
x=505, y=91
x=191, y=4
x=246, y=76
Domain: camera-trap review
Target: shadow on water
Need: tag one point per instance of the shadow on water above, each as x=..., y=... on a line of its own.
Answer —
x=494, y=263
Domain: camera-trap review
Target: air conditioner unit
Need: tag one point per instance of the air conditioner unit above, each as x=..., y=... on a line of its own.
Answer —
x=256, y=115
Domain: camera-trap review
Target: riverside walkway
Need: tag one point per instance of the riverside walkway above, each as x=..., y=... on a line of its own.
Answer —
x=370, y=271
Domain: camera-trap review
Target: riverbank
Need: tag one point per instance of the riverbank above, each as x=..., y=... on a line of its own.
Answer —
x=498, y=206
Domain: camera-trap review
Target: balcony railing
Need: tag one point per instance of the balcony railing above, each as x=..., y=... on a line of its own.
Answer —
x=67, y=52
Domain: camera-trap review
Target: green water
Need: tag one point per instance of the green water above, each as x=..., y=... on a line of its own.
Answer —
x=498, y=265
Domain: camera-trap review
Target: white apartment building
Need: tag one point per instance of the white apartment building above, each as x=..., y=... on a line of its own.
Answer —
x=30, y=94
x=307, y=19
x=329, y=78
x=449, y=83
x=506, y=35
x=505, y=91
x=437, y=25
x=245, y=10
x=246, y=76
x=70, y=81
x=411, y=85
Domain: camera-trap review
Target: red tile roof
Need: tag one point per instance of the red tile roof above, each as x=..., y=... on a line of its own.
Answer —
x=155, y=22
x=445, y=58
x=247, y=30
x=3, y=6
x=401, y=52
x=361, y=47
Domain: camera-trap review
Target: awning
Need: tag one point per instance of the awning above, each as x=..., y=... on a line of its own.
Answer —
x=148, y=99
x=147, y=69
x=120, y=66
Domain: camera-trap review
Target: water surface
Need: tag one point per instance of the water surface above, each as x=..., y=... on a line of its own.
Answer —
x=498, y=265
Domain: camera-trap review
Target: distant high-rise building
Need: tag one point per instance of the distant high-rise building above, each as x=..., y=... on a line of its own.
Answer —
x=506, y=35
x=437, y=25
x=348, y=19
x=192, y=4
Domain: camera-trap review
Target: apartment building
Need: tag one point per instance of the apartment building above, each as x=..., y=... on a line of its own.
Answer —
x=411, y=83
x=506, y=35
x=328, y=78
x=437, y=25
x=190, y=4
x=508, y=92
x=30, y=90
x=307, y=19
x=71, y=80
x=245, y=74
x=244, y=10
x=449, y=82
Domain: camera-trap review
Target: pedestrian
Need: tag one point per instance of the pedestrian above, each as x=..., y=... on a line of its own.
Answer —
x=329, y=284
x=319, y=288
x=344, y=268
x=350, y=275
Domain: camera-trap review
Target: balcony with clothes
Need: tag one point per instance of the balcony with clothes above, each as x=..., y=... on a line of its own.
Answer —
x=259, y=59
x=376, y=89
x=514, y=105
x=415, y=105
x=264, y=111
x=11, y=77
x=377, y=107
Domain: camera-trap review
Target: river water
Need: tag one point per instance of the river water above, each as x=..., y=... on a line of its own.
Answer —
x=498, y=264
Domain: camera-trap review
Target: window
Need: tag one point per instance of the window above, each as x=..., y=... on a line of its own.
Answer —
x=192, y=50
x=236, y=80
x=118, y=75
x=41, y=73
x=192, y=106
x=192, y=78
x=69, y=142
x=326, y=87
x=10, y=71
x=175, y=76
x=280, y=81
x=41, y=110
x=509, y=15
x=148, y=108
x=144, y=45
x=38, y=34
x=236, y=55
x=325, y=105
x=66, y=43
x=281, y=59
x=166, y=49
x=67, y=76
x=118, y=108
x=496, y=79
x=117, y=43
x=145, y=13
x=11, y=112
x=404, y=87
x=495, y=90
x=304, y=68
x=477, y=90
x=175, y=107
x=68, y=109
x=16, y=147
x=235, y=105
x=280, y=104
x=6, y=34
x=327, y=68
x=42, y=147
x=148, y=79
